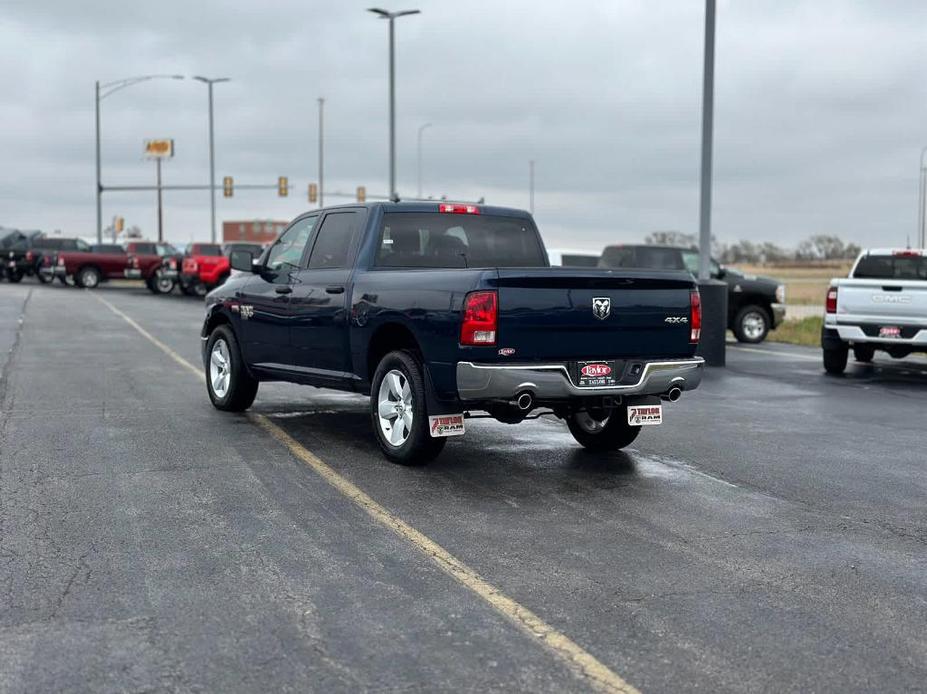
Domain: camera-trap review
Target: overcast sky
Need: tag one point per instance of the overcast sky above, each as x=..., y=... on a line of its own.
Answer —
x=820, y=111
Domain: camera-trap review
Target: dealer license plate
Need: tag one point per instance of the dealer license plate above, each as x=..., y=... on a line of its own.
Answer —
x=597, y=374
x=890, y=331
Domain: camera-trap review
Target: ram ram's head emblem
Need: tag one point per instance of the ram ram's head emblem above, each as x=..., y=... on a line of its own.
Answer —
x=601, y=307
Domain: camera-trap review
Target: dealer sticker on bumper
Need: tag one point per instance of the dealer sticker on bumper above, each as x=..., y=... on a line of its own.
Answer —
x=446, y=425
x=645, y=415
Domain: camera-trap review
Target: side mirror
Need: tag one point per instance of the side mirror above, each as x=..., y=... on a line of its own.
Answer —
x=242, y=260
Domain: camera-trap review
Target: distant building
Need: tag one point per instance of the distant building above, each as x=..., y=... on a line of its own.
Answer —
x=254, y=231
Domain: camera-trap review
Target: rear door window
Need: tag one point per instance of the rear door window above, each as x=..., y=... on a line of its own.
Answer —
x=334, y=241
x=440, y=240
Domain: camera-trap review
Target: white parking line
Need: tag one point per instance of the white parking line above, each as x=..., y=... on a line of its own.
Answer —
x=781, y=355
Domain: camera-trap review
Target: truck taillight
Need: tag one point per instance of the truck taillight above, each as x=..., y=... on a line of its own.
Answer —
x=135, y=262
x=830, y=305
x=60, y=262
x=695, y=317
x=453, y=208
x=480, y=314
x=29, y=256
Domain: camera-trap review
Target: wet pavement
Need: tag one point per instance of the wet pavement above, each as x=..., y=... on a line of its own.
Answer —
x=771, y=535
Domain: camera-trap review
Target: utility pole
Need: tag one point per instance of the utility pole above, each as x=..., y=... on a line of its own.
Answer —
x=531, y=186
x=321, y=156
x=421, y=129
x=99, y=183
x=160, y=208
x=708, y=92
x=392, y=16
x=921, y=195
x=212, y=155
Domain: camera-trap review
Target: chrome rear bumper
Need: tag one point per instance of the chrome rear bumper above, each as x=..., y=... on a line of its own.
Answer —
x=476, y=382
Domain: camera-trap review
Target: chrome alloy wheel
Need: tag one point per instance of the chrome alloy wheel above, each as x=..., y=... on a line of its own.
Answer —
x=164, y=284
x=220, y=366
x=588, y=423
x=754, y=325
x=394, y=407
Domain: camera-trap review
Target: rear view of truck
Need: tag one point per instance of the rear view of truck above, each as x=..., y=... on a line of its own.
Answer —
x=881, y=306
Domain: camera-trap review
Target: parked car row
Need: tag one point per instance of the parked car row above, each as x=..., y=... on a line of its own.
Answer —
x=755, y=304
x=73, y=261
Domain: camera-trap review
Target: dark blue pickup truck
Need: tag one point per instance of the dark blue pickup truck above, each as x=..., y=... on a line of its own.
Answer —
x=443, y=311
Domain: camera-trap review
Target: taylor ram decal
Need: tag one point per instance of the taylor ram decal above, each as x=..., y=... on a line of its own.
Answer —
x=596, y=370
x=446, y=425
x=601, y=307
x=645, y=415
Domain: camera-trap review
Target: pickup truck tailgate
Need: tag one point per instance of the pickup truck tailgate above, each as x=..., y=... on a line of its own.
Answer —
x=878, y=300
x=575, y=314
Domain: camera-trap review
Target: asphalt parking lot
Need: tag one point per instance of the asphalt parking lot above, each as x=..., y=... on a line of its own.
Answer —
x=772, y=535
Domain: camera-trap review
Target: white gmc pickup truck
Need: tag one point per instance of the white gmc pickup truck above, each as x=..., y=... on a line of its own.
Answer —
x=881, y=305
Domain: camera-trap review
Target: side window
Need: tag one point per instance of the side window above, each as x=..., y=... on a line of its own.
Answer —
x=82, y=245
x=333, y=242
x=288, y=250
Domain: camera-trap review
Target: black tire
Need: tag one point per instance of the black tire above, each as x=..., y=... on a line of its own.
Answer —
x=835, y=360
x=14, y=276
x=241, y=387
x=863, y=353
x=199, y=289
x=88, y=277
x=160, y=285
x=44, y=279
x=603, y=430
x=751, y=324
x=418, y=447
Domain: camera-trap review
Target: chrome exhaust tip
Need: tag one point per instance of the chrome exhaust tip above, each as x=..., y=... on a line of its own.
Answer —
x=673, y=394
x=524, y=401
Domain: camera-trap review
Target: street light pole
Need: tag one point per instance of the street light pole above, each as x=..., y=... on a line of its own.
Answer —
x=531, y=186
x=392, y=16
x=921, y=194
x=212, y=155
x=421, y=129
x=708, y=91
x=99, y=184
x=101, y=91
x=321, y=155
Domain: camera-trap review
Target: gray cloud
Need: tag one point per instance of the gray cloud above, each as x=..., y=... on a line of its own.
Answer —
x=818, y=121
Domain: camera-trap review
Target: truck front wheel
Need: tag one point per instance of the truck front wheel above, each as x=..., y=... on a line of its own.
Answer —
x=398, y=412
x=835, y=359
x=751, y=324
x=231, y=387
x=602, y=430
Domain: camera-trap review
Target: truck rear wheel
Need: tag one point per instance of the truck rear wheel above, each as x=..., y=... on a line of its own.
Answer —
x=398, y=412
x=231, y=388
x=835, y=359
x=602, y=430
x=88, y=277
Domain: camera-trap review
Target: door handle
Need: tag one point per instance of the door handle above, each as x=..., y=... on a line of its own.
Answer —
x=284, y=290
x=334, y=290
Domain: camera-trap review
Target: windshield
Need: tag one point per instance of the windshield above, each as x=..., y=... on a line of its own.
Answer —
x=434, y=239
x=896, y=267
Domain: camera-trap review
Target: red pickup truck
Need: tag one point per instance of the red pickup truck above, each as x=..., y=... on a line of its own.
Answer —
x=89, y=268
x=204, y=268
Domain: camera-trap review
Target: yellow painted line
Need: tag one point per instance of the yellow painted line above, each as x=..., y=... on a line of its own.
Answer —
x=580, y=661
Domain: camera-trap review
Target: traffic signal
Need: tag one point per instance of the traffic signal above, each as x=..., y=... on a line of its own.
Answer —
x=313, y=192
x=283, y=186
x=120, y=223
x=228, y=186
x=361, y=193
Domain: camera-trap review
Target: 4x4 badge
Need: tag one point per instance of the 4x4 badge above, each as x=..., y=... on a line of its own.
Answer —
x=601, y=307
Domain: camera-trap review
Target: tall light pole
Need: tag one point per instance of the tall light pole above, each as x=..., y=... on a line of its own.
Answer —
x=321, y=156
x=708, y=107
x=101, y=91
x=209, y=81
x=392, y=16
x=531, y=186
x=421, y=129
x=920, y=202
